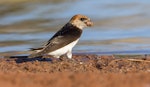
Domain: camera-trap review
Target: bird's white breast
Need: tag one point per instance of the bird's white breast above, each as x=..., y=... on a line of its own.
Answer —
x=64, y=50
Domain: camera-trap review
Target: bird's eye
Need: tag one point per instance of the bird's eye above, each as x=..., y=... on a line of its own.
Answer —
x=82, y=19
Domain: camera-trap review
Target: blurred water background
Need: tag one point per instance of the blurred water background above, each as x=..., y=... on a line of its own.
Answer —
x=119, y=25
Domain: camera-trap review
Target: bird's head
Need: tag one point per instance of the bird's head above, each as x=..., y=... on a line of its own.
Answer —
x=81, y=21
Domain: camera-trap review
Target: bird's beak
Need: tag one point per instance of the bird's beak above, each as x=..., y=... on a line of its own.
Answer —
x=89, y=23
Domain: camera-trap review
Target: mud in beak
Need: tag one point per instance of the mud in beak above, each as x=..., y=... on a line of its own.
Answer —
x=89, y=23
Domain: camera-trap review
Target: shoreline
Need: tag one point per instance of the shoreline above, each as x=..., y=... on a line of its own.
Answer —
x=132, y=52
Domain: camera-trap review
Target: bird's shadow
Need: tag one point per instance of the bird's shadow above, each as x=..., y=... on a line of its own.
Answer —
x=21, y=59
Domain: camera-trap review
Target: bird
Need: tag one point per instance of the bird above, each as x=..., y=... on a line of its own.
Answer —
x=65, y=39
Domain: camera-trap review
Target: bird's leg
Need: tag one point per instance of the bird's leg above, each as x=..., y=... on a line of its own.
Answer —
x=69, y=54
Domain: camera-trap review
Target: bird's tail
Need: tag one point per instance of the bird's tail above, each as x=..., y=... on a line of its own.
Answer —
x=34, y=55
x=36, y=49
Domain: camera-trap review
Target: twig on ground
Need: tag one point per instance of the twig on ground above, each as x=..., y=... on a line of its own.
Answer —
x=138, y=60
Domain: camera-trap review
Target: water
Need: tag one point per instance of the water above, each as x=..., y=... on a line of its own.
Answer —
x=119, y=26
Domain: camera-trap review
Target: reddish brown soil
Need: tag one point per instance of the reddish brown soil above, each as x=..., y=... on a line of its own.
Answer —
x=83, y=71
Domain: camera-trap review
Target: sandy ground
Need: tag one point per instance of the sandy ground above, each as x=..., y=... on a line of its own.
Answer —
x=82, y=71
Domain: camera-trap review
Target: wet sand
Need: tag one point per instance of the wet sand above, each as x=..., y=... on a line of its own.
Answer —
x=82, y=71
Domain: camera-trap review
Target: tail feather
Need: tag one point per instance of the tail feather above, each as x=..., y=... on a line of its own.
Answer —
x=34, y=55
x=38, y=53
x=34, y=49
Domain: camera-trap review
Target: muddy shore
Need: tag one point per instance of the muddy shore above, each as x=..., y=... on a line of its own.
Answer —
x=82, y=71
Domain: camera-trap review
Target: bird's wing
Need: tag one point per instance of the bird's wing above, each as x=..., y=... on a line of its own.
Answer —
x=58, y=34
x=60, y=39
